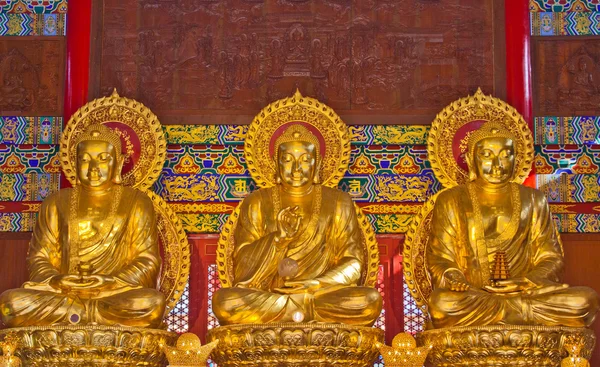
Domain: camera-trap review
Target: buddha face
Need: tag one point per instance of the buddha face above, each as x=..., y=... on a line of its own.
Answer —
x=494, y=160
x=96, y=162
x=296, y=164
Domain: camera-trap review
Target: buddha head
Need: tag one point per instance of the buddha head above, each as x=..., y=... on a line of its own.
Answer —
x=99, y=159
x=491, y=155
x=297, y=158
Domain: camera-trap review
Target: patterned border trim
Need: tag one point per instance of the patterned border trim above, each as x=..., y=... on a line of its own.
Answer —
x=564, y=5
x=32, y=24
x=384, y=223
x=580, y=130
x=359, y=134
x=565, y=24
x=34, y=6
x=30, y=130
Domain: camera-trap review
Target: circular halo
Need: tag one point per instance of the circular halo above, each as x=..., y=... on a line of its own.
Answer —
x=141, y=133
x=226, y=246
x=320, y=119
x=414, y=257
x=175, y=251
x=449, y=134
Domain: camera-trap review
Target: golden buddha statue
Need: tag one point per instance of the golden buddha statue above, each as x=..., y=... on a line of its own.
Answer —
x=298, y=251
x=491, y=214
x=94, y=256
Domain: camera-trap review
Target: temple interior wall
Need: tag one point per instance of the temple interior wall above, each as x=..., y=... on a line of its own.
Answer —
x=206, y=67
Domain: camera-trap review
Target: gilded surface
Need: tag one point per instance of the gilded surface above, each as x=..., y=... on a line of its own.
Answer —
x=505, y=345
x=79, y=346
x=296, y=345
x=94, y=257
x=446, y=164
x=297, y=109
x=144, y=141
x=189, y=351
x=472, y=222
x=297, y=250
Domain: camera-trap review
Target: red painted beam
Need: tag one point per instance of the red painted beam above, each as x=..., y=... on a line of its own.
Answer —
x=518, y=58
x=79, y=19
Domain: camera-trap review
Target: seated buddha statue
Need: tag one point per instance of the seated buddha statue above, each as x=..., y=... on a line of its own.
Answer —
x=491, y=222
x=298, y=248
x=94, y=255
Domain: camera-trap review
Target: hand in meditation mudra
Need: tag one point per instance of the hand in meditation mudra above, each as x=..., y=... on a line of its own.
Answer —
x=490, y=214
x=94, y=256
x=298, y=253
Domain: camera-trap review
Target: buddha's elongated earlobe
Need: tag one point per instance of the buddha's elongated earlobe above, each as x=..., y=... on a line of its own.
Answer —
x=117, y=176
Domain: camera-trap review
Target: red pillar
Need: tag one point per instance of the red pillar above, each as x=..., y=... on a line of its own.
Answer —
x=518, y=63
x=518, y=58
x=79, y=19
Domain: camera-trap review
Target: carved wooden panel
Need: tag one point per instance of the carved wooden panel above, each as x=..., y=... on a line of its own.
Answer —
x=566, y=77
x=31, y=76
x=198, y=61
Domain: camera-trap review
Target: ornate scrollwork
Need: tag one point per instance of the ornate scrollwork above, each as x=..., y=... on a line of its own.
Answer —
x=505, y=345
x=296, y=345
x=79, y=346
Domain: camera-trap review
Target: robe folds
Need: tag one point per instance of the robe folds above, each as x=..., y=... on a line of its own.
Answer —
x=533, y=250
x=126, y=249
x=327, y=248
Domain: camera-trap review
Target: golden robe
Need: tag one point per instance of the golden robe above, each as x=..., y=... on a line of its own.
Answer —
x=129, y=252
x=533, y=250
x=328, y=247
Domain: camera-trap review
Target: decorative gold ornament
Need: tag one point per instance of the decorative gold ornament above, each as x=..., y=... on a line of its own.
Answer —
x=296, y=345
x=449, y=136
x=9, y=345
x=404, y=352
x=85, y=346
x=144, y=141
x=176, y=251
x=503, y=345
x=319, y=119
x=189, y=351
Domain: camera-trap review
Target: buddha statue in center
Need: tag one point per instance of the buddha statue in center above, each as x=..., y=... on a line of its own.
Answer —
x=494, y=254
x=94, y=257
x=298, y=253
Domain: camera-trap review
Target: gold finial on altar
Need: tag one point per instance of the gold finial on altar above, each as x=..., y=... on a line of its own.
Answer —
x=9, y=345
x=404, y=352
x=189, y=351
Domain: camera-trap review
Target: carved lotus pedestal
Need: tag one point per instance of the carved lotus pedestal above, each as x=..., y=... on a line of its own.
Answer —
x=505, y=345
x=91, y=346
x=295, y=345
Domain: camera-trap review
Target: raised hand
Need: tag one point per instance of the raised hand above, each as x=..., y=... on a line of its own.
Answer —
x=288, y=222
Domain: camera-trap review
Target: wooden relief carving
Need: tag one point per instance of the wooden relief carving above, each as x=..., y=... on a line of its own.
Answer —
x=31, y=76
x=567, y=77
x=220, y=57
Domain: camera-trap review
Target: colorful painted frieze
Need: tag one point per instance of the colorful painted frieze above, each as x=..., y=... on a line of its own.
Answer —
x=32, y=24
x=34, y=6
x=30, y=130
x=568, y=188
x=235, y=134
x=570, y=159
x=29, y=159
x=565, y=24
x=564, y=5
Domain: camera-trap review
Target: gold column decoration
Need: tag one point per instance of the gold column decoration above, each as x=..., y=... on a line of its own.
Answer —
x=189, y=351
x=404, y=352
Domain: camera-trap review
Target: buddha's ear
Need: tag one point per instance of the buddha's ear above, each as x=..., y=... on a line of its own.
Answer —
x=472, y=172
x=117, y=176
x=317, y=175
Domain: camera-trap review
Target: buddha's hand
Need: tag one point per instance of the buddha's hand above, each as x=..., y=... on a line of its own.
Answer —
x=300, y=286
x=518, y=284
x=68, y=282
x=456, y=281
x=288, y=223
